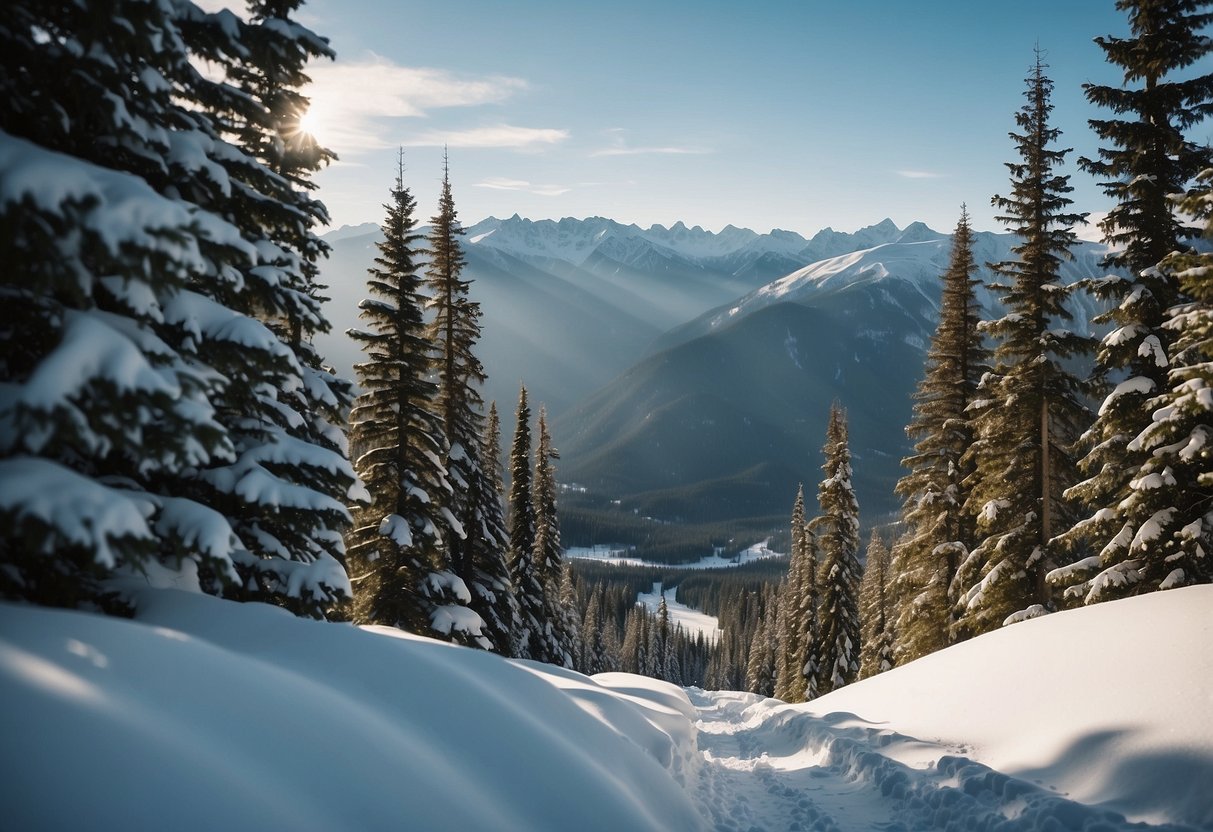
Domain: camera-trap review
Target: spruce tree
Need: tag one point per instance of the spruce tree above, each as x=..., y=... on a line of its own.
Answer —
x=1172, y=492
x=151, y=398
x=570, y=614
x=1148, y=160
x=760, y=668
x=838, y=527
x=876, y=610
x=1031, y=407
x=547, y=555
x=799, y=599
x=397, y=545
x=474, y=528
x=531, y=633
x=939, y=531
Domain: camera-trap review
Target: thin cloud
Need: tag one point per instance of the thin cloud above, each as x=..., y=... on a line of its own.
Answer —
x=501, y=135
x=920, y=174
x=641, y=151
x=353, y=102
x=500, y=184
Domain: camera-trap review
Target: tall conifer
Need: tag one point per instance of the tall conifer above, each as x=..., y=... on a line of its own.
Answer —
x=838, y=527
x=397, y=544
x=1031, y=408
x=476, y=535
x=1147, y=161
x=939, y=531
x=531, y=634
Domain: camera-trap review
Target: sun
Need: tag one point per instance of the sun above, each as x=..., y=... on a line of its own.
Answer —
x=309, y=121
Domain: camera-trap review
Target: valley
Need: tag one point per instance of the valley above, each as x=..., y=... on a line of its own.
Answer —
x=643, y=345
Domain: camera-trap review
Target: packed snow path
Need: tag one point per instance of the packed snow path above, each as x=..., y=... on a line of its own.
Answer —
x=769, y=767
x=741, y=789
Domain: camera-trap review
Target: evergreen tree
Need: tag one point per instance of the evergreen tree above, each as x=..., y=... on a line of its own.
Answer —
x=1173, y=490
x=760, y=668
x=531, y=634
x=809, y=620
x=571, y=617
x=151, y=399
x=939, y=532
x=490, y=450
x=785, y=648
x=799, y=611
x=662, y=641
x=474, y=528
x=1148, y=160
x=1031, y=407
x=591, y=636
x=397, y=546
x=547, y=555
x=839, y=578
x=876, y=610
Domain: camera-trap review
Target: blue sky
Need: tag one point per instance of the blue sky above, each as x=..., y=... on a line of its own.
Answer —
x=792, y=115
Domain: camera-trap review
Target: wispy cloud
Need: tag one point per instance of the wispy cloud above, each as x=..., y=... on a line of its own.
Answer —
x=620, y=147
x=353, y=102
x=500, y=135
x=641, y=151
x=920, y=174
x=500, y=184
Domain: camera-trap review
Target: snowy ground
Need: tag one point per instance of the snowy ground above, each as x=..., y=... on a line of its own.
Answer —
x=203, y=714
x=692, y=620
x=617, y=555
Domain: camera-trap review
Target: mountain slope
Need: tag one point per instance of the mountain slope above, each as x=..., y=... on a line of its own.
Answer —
x=727, y=412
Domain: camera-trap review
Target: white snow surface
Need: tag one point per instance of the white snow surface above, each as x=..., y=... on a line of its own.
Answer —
x=693, y=621
x=205, y=714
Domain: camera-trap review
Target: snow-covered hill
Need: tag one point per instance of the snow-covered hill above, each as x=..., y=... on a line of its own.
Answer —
x=205, y=714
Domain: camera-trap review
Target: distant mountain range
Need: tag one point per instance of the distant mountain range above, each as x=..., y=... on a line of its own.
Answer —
x=689, y=372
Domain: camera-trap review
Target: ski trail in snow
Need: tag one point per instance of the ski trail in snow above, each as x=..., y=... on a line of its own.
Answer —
x=743, y=789
x=770, y=767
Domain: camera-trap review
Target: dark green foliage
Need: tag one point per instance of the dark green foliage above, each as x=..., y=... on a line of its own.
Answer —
x=838, y=531
x=876, y=610
x=397, y=438
x=172, y=272
x=547, y=553
x=1147, y=161
x=531, y=635
x=939, y=532
x=475, y=530
x=1031, y=407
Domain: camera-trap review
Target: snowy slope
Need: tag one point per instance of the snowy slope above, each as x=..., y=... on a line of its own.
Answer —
x=1089, y=719
x=918, y=256
x=204, y=714
x=209, y=715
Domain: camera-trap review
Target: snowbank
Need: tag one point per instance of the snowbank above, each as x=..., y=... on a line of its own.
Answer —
x=1109, y=705
x=204, y=714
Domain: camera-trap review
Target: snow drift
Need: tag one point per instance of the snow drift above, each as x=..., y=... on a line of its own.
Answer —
x=204, y=714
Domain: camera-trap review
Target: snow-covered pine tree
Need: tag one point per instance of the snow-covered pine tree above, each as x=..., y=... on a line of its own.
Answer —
x=761, y=665
x=785, y=646
x=1148, y=160
x=938, y=530
x=1031, y=407
x=662, y=640
x=1171, y=547
x=490, y=449
x=291, y=537
x=474, y=524
x=547, y=555
x=632, y=652
x=396, y=546
x=531, y=634
x=571, y=618
x=876, y=610
x=591, y=635
x=799, y=599
x=838, y=532
x=151, y=412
